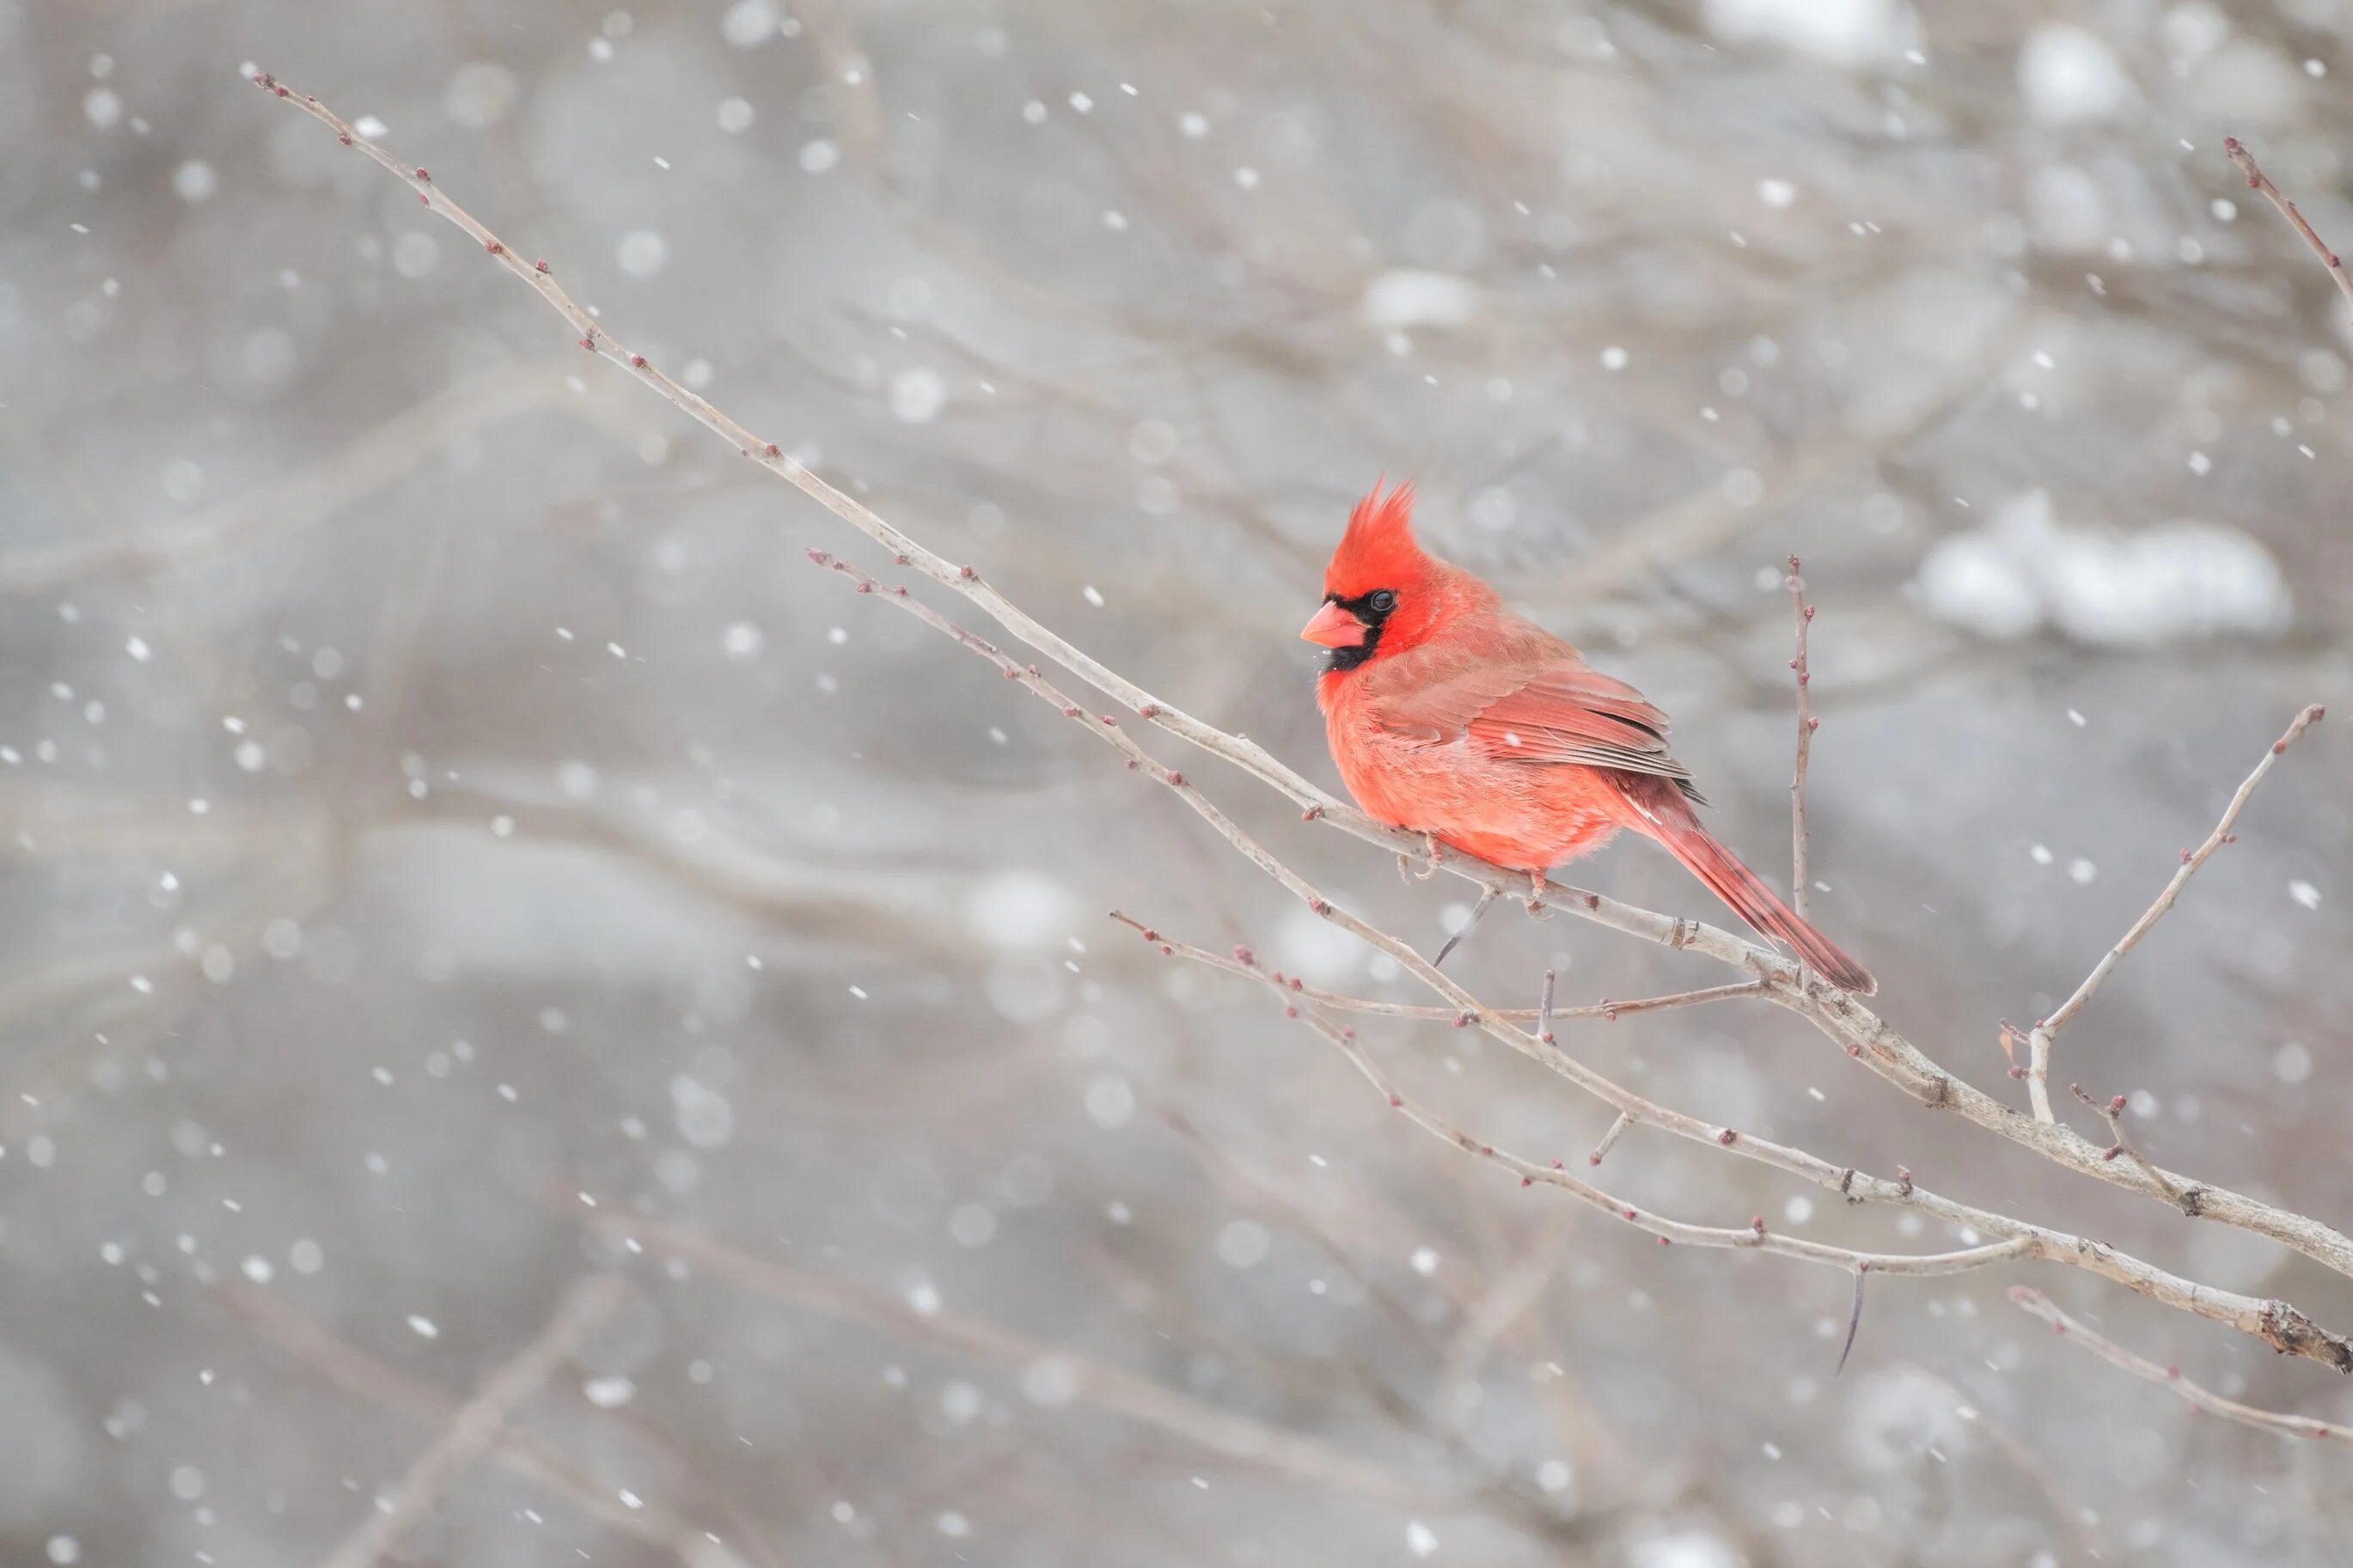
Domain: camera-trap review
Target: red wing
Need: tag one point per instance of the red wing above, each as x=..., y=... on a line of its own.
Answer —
x=1558, y=713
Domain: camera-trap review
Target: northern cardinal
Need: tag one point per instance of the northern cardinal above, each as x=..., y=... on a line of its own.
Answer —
x=1451, y=716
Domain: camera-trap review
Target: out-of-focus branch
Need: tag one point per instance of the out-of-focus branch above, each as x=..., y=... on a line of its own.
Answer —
x=360, y=1374
x=2236, y=151
x=1866, y=1036
x=2038, y=1071
x=366, y=464
x=1107, y=1388
x=480, y=1423
x=2115, y=1354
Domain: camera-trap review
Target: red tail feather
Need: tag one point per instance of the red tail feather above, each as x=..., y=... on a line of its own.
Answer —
x=1670, y=821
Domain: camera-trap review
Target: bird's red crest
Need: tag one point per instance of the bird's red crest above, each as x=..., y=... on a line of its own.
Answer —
x=1378, y=550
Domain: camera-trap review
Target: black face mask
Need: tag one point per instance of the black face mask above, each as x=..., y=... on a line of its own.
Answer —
x=1372, y=612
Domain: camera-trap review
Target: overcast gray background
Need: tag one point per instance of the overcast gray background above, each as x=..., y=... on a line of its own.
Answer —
x=439, y=793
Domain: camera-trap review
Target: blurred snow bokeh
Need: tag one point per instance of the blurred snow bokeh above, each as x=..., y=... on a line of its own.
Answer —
x=459, y=846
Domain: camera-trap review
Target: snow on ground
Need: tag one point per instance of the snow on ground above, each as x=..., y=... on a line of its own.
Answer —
x=2025, y=570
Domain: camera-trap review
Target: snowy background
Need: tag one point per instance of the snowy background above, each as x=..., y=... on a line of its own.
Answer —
x=444, y=813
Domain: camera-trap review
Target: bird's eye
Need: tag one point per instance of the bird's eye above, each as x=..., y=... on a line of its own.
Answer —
x=1384, y=602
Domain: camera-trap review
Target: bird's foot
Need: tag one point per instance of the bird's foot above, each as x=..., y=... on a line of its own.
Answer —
x=1429, y=861
x=1536, y=892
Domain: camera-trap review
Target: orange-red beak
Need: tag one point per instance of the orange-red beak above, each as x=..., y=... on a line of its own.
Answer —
x=1333, y=627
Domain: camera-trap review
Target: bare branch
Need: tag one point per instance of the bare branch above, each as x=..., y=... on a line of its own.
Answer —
x=2115, y=1354
x=2234, y=149
x=1753, y=1236
x=2038, y=1070
x=2276, y=1323
x=1806, y=725
x=1609, y=1139
x=478, y=1425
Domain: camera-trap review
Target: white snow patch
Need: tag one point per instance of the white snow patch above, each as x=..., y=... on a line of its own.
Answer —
x=1684, y=1549
x=705, y=1119
x=1315, y=950
x=750, y=23
x=1409, y=297
x=2069, y=76
x=1019, y=908
x=1844, y=32
x=917, y=396
x=2024, y=570
x=608, y=1393
x=643, y=252
x=195, y=180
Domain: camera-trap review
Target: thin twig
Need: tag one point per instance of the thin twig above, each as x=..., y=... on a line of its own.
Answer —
x=2113, y=1111
x=1609, y=1139
x=1605, y=1009
x=2115, y=1354
x=478, y=1425
x=1477, y=912
x=2235, y=149
x=1853, y=1320
x=1806, y=725
x=2037, y=1072
x=1544, y=1007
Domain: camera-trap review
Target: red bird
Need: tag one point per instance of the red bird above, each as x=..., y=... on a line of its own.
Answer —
x=1449, y=715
